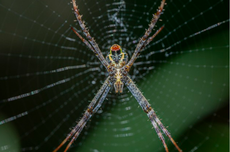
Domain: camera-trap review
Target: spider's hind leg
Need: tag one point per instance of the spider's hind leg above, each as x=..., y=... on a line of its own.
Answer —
x=92, y=108
x=158, y=131
x=166, y=132
x=88, y=114
x=150, y=113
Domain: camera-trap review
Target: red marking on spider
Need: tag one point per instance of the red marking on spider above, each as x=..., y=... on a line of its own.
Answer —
x=115, y=47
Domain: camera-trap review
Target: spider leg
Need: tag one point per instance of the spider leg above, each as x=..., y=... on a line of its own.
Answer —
x=87, y=34
x=150, y=112
x=83, y=40
x=87, y=113
x=90, y=47
x=152, y=37
x=166, y=132
x=88, y=116
x=143, y=40
x=158, y=131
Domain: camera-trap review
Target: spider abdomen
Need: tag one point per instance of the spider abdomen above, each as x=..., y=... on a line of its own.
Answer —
x=118, y=85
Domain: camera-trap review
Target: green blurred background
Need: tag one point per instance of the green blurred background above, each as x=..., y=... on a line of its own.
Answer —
x=187, y=85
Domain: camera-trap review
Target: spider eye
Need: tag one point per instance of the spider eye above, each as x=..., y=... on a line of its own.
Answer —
x=118, y=52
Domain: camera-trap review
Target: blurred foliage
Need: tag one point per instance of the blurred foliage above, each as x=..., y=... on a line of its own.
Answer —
x=8, y=134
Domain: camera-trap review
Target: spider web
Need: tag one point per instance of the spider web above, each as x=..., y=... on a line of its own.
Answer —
x=48, y=76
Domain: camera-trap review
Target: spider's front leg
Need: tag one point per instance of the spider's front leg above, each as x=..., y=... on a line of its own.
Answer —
x=92, y=43
x=150, y=113
x=145, y=39
x=92, y=108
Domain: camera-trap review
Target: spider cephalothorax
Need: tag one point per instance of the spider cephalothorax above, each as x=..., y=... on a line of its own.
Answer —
x=117, y=65
x=117, y=59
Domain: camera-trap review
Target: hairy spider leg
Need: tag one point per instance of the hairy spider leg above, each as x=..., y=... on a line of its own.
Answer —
x=83, y=40
x=139, y=97
x=142, y=41
x=166, y=132
x=152, y=37
x=149, y=110
x=91, y=112
x=158, y=132
x=87, y=34
x=99, y=56
x=90, y=107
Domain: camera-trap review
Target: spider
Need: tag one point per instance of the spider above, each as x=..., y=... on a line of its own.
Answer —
x=118, y=66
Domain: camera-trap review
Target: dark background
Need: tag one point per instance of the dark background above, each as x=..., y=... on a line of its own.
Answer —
x=188, y=84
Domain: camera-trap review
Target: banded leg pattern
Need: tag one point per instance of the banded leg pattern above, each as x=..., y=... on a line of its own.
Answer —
x=88, y=36
x=150, y=113
x=92, y=108
x=143, y=40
